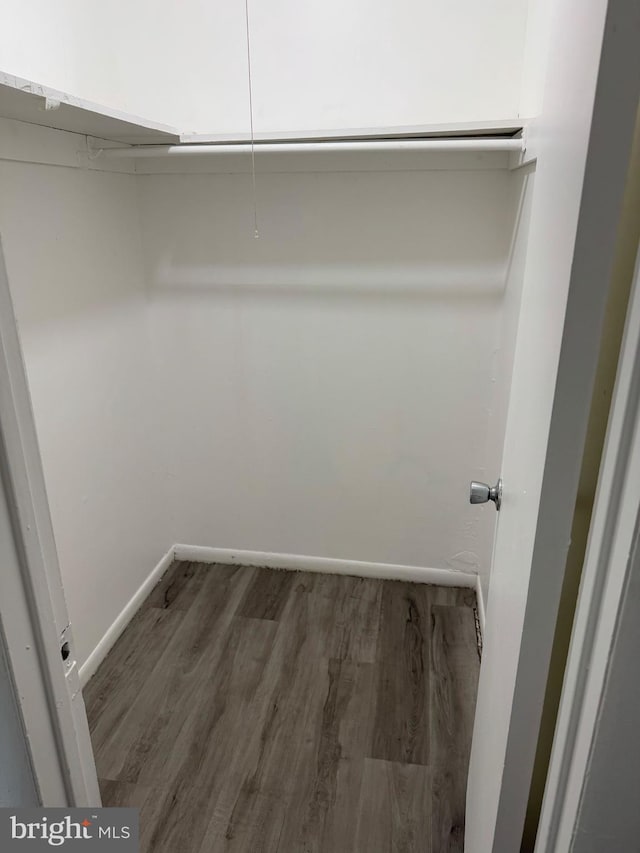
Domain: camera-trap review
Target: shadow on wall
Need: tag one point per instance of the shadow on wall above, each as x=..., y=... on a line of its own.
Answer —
x=441, y=235
x=198, y=283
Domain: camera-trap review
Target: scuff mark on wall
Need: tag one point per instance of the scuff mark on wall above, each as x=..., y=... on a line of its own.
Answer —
x=464, y=561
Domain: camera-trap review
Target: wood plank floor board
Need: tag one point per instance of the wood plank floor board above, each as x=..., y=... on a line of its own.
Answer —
x=147, y=800
x=322, y=808
x=452, y=596
x=294, y=714
x=392, y=816
x=454, y=675
x=401, y=728
x=294, y=737
x=455, y=667
x=179, y=586
x=267, y=594
x=165, y=698
x=215, y=745
x=208, y=619
x=248, y=773
x=308, y=621
x=118, y=682
x=355, y=606
x=206, y=748
x=173, y=819
x=164, y=818
x=342, y=614
x=258, y=711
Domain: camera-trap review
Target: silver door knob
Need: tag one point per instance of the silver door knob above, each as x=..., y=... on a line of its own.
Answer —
x=480, y=493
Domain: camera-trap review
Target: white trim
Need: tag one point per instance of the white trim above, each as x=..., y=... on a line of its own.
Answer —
x=228, y=556
x=604, y=578
x=480, y=604
x=328, y=565
x=89, y=667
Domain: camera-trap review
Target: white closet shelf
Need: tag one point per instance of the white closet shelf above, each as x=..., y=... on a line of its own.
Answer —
x=496, y=127
x=23, y=100
x=26, y=101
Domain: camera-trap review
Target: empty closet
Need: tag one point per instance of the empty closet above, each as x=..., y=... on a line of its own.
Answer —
x=371, y=281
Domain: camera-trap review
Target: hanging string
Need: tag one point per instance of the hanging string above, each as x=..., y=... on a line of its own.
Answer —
x=256, y=234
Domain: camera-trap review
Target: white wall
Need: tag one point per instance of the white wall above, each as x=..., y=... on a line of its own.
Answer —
x=69, y=45
x=330, y=383
x=316, y=66
x=72, y=249
x=330, y=64
x=540, y=23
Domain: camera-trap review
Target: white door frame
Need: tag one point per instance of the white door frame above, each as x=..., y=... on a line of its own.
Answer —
x=33, y=613
x=613, y=532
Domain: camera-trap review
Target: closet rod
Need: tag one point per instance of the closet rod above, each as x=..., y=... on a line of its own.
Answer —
x=437, y=144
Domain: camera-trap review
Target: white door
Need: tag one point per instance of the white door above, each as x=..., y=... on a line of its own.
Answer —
x=582, y=142
x=33, y=612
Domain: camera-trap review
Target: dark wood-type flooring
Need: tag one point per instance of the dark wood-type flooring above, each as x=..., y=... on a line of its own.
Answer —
x=246, y=710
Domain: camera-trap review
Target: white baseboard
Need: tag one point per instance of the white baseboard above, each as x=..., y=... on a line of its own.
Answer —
x=89, y=667
x=480, y=601
x=226, y=556
x=329, y=565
